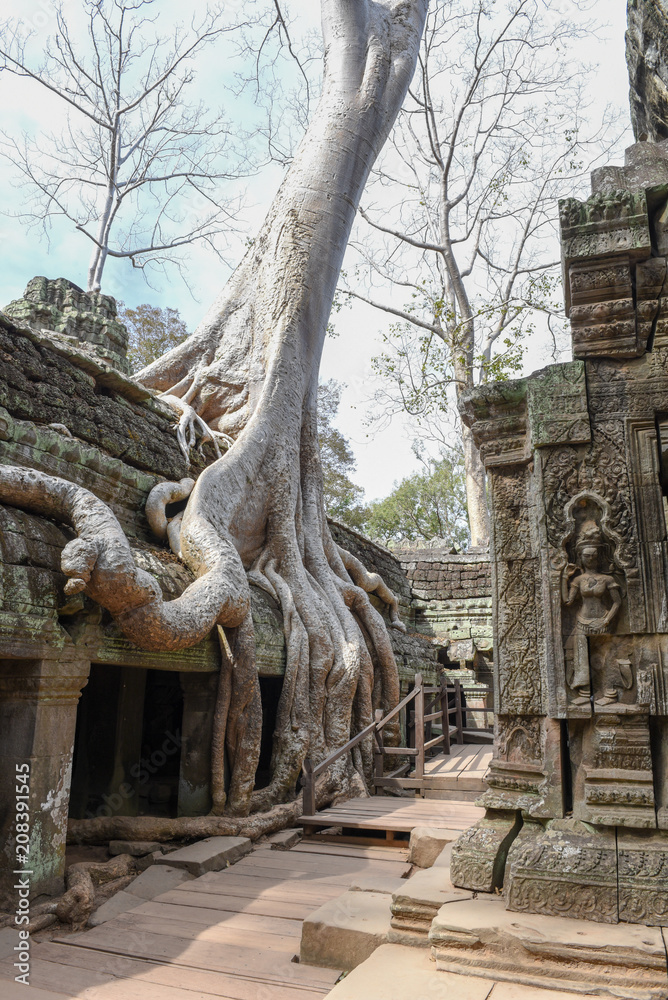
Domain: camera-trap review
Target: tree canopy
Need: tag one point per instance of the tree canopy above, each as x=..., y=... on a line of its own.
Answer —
x=152, y=332
x=426, y=505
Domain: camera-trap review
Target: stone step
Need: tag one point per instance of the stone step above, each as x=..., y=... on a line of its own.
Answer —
x=479, y=937
x=396, y=971
x=345, y=931
x=415, y=905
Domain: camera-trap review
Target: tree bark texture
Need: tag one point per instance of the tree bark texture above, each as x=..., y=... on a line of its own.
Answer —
x=250, y=371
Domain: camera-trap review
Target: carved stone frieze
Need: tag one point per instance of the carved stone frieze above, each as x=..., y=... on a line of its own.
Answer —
x=643, y=877
x=569, y=869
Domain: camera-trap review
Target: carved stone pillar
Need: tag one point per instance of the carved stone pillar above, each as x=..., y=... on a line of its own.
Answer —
x=199, y=700
x=38, y=708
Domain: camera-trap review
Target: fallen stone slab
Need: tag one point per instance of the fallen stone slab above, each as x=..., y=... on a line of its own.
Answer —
x=137, y=848
x=285, y=839
x=210, y=855
x=156, y=880
x=121, y=902
x=346, y=930
x=427, y=842
x=479, y=937
x=378, y=883
x=417, y=902
x=395, y=971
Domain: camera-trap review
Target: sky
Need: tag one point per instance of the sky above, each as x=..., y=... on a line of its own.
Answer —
x=383, y=456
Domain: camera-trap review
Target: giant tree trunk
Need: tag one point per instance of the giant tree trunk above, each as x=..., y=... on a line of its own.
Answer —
x=251, y=372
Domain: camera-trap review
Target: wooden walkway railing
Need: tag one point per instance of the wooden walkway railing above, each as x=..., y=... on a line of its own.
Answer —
x=432, y=705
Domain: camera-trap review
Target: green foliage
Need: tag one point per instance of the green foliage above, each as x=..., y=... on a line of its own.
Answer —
x=426, y=505
x=152, y=332
x=342, y=497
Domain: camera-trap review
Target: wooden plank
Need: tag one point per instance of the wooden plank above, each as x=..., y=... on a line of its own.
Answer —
x=208, y=983
x=242, y=904
x=372, y=853
x=333, y=865
x=252, y=923
x=253, y=889
x=313, y=877
x=221, y=932
x=159, y=948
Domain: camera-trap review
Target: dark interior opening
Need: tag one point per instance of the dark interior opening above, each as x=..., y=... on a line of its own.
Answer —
x=160, y=762
x=566, y=772
x=127, y=745
x=270, y=692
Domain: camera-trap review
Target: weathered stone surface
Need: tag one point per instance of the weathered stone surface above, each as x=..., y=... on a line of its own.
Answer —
x=397, y=971
x=570, y=869
x=417, y=902
x=88, y=317
x=647, y=60
x=157, y=879
x=210, y=855
x=137, y=848
x=478, y=858
x=119, y=903
x=577, y=463
x=345, y=931
x=480, y=937
x=427, y=843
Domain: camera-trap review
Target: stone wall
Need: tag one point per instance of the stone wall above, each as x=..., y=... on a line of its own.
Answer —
x=454, y=597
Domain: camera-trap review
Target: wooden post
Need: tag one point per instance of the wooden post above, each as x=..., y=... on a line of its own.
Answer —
x=378, y=757
x=446, y=716
x=458, y=706
x=308, y=784
x=419, y=726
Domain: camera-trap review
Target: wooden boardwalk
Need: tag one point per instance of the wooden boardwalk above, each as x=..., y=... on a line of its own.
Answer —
x=459, y=776
x=390, y=815
x=230, y=934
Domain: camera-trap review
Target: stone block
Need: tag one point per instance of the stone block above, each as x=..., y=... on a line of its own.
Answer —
x=642, y=858
x=480, y=937
x=417, y=902
x=137, y=848
x=121, y=902
x=479, y=856
x=156, y=880
x=568, y=869
x=285, y=839
x=346, y=930
x=427, y=842
x=210, y=855
x=397, y=971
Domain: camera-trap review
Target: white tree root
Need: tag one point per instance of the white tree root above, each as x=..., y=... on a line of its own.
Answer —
x=372, y=583
x=100, y=562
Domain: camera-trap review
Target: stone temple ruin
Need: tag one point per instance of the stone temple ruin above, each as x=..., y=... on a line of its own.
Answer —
x=110, y=729
x=577, y=806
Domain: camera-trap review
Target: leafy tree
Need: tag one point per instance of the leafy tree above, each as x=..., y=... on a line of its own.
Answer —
x=250, y=371
x=458, y=235
x=342, y=497
x=426, y=505
x=152, y=332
